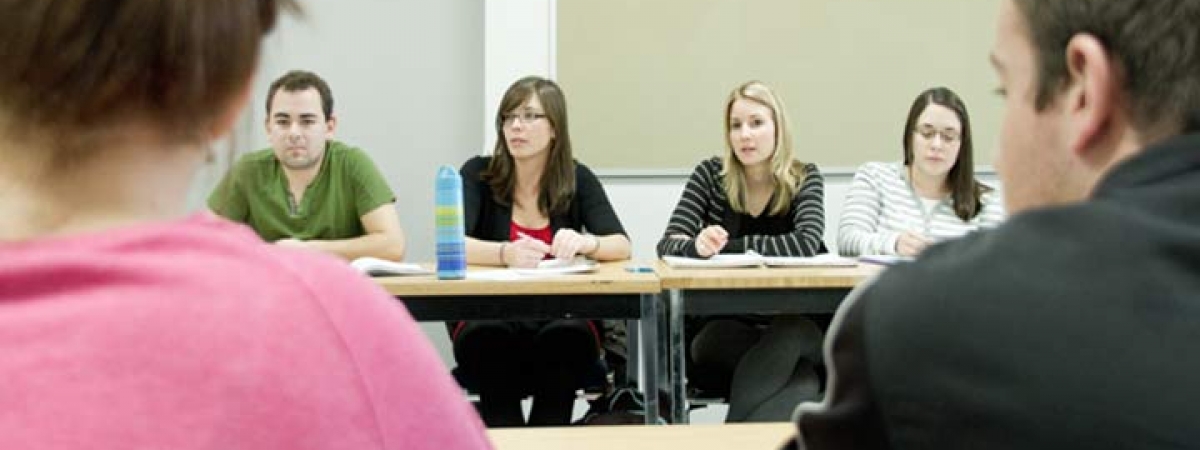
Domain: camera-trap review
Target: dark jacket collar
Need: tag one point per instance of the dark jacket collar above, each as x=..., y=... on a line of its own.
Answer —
x=1177, y=156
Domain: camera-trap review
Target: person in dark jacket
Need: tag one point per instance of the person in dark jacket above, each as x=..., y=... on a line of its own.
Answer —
x=1076, y=323
x=527, y=202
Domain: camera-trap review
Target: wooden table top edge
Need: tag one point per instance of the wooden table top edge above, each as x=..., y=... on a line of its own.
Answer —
x=609, y=278
x=755, y=435
x=764, y=277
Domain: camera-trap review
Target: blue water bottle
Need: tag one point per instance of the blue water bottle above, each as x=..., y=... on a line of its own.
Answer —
x=451, y=236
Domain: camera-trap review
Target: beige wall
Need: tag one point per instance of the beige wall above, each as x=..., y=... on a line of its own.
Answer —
x=646, y=81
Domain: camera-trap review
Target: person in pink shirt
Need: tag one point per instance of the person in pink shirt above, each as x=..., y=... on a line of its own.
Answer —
x=127, y=323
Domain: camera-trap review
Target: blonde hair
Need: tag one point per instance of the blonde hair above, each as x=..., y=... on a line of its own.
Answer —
x=787, y=172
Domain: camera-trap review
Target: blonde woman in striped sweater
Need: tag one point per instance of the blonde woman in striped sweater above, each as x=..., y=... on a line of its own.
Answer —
x=756, y=197
x=901, y=208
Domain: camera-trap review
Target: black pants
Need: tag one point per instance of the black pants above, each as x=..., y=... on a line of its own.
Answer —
x=504, y=361
x=765, y=366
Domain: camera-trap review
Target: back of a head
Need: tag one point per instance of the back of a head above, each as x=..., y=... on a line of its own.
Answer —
x=74, y=69
x=1155, y=42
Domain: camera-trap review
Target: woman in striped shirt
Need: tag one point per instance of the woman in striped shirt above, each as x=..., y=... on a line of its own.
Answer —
x=899, y=209
x=756, y=197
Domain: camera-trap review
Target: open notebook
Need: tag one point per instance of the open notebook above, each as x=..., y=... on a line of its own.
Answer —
x=752, y=259
x=886, y=260
x=560, y=266
x=549, y=267
x=383, y=268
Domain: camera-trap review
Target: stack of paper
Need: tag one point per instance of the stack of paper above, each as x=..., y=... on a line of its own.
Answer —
x=887, y=260
x=752, y=259
x=716, y=261
x=559, y=267
x=822, y=260
x=550, y=267
x=383, y=268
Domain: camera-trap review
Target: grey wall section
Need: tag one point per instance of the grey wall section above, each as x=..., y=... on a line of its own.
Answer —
x=407, y=80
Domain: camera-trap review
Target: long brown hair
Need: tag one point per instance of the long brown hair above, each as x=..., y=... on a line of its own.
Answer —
x=558, y=178
x=788, y=173
x=965, y=189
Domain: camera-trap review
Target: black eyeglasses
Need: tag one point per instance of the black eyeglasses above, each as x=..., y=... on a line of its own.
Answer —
x=526, y=117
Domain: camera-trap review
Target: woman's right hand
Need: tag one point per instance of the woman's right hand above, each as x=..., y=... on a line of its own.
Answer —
x=524, y=253
x=711, y=240
x=911, y=244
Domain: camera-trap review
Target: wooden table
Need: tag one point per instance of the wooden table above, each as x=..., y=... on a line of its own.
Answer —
x=609, y=292
x=608, y=278
x=758, y=436
x=761, y=290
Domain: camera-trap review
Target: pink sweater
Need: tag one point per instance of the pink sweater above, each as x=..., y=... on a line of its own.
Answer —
x=195, y=335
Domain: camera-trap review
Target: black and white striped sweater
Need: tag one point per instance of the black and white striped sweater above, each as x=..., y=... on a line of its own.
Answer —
x=705, y=203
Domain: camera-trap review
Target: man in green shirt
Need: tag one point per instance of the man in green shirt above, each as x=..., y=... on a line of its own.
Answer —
x=309, y=190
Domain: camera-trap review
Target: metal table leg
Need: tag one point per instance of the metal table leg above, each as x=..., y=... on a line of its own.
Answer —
x=678, y=355
x=633, y=345
x=650, y=355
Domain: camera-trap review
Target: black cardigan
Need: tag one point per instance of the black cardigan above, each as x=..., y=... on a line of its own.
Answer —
x=488, y=220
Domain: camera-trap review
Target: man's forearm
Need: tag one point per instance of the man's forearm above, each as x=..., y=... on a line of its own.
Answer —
x=378, y=245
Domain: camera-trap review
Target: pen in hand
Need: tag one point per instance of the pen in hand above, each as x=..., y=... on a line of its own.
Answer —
x=527, y=252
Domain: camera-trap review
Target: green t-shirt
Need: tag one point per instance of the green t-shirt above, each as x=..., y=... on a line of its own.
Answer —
x=255, y=192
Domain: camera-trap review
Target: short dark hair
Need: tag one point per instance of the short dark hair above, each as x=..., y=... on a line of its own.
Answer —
x=965, y=189
x=1155, y=42
x=300, y=80
x=86, y=65
x=558, y=178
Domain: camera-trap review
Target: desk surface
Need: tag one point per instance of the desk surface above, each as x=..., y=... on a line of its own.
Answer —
x=758, y=436
x=764, y=277
x=608, y=278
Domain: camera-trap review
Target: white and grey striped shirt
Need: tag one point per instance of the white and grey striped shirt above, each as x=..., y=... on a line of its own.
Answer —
x=881, y=205
x=705, y=203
